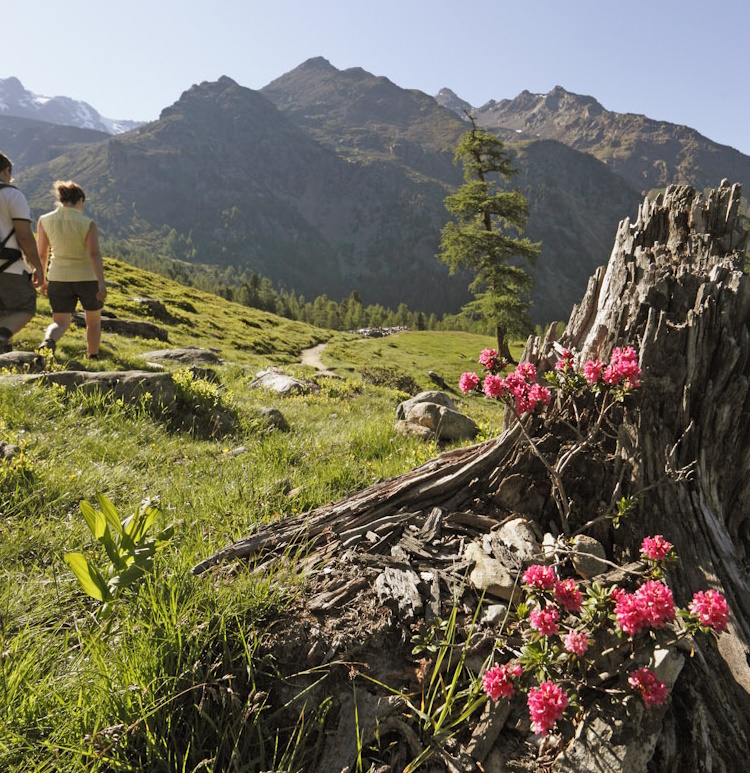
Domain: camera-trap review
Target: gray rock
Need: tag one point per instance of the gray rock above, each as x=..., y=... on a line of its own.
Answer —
x=434, y=415
x=442, y=423
x=188, y=355
x=432, y=396
x=25, y=362
x=129, y=385
x=491, y=576
x=520, y=537
x=126, y=327
x=586, y=554
x=282, y=384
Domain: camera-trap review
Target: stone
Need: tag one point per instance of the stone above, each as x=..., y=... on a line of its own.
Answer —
x=433, y=414
x=491, y=576
x=129, y=385
x=273, y=418
x=442, y=423
x=187, y=355
x=586, y=556
x=126, y=327
x=520, y=537
x=432, y=396
x=24, y=362
x=279, y=382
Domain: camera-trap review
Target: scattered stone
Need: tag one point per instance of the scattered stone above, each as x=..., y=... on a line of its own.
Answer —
x=25, y=362
x=8, y=450
x=586, y=556
x=131, y=385
x=126, y=327
x=187, y=355
x=490, y=575
x=520, y=536
x=274, y=418
x=282, y=384
x=434, y=415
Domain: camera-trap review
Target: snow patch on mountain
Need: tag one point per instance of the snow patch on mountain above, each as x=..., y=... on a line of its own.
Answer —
x=15, y=100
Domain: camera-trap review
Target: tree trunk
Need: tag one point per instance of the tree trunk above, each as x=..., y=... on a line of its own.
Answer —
x=674, y=288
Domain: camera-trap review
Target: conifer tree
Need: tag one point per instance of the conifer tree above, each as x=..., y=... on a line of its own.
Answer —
x=486, y=236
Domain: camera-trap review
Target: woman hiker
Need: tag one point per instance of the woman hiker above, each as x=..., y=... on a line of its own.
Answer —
x=73, y=270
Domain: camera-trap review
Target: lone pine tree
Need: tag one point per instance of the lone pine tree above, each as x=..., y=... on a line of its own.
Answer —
x=486, y=236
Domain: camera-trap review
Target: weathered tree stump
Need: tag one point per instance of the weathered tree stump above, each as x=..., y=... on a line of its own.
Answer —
x=675, y=289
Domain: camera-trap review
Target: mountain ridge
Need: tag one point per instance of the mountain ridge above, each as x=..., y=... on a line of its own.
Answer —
x=327, y=181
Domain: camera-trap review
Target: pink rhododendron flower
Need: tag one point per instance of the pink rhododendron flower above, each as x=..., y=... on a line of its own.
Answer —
x=653, y=691
x=468, y=382
x=494, y=386
x=546, y=705
x=657, y=603
x=488, y=359
x=565, y=363
x=496, y=681
x=630, y=614
x=540, y=576
x=655, y=548
x=623, y=368
x=568, y=596
x=527, y=371
x=711, y=609
x=545, y=620
x=576, y=642
x=592, y=370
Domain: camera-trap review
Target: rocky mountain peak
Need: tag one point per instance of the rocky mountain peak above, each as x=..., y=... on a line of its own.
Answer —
x=15, y=100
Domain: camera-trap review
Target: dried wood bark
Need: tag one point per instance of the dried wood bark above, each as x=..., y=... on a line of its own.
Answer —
x=674, y=288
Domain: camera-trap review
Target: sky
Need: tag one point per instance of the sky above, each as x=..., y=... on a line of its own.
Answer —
x=681, y=61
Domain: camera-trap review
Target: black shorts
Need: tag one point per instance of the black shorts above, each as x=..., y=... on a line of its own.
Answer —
x=17, y=293
x=63, y=296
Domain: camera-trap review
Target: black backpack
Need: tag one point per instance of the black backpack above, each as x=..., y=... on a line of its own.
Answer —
x=8, y=255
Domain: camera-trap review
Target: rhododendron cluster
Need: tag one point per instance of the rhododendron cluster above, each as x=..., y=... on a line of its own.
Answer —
x=545, y=620
x=469, y=382
x=546, y=705
x=561, y=628
x=518, y=388
x=653, y=691
x=540, y=576
x=652, y=605
x=496, y=681
x=711, y=610
x=576, y=642
x=623, y=368
x=568, y=596
x=656, y=548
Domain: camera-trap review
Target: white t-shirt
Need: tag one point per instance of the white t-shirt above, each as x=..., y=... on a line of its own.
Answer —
x=13, y=206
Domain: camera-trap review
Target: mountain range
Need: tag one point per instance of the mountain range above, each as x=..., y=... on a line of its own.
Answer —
x=328, y=181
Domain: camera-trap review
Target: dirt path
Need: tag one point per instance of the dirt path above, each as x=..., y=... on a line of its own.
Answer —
x=311, y=358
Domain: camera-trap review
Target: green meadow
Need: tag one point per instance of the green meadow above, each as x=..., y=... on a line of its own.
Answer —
x=163, y=678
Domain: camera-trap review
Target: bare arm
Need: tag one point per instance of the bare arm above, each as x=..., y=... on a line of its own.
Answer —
x=95, y=256
x=27, y=243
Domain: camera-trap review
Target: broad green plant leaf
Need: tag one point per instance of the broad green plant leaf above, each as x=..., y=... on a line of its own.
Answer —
x=110, y=513
x=88, y=576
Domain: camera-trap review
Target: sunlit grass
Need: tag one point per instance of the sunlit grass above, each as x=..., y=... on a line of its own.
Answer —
x=167, y=682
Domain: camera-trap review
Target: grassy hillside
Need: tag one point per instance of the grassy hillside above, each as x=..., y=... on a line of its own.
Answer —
x=166, y=681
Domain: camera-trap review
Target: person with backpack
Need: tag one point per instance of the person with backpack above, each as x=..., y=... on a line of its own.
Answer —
x=20, y=266
x=73, y=268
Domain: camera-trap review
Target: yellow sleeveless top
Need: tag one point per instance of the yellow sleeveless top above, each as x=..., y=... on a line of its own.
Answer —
x=66, y=229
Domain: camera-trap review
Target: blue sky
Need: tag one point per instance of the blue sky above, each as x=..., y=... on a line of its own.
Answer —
x=681, y=61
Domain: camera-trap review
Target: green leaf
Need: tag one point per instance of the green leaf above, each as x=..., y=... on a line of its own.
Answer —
x=110, y=513
x=95, y=520
x=91, y=581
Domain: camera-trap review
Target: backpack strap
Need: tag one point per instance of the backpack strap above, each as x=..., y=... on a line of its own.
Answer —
x=12, y=260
